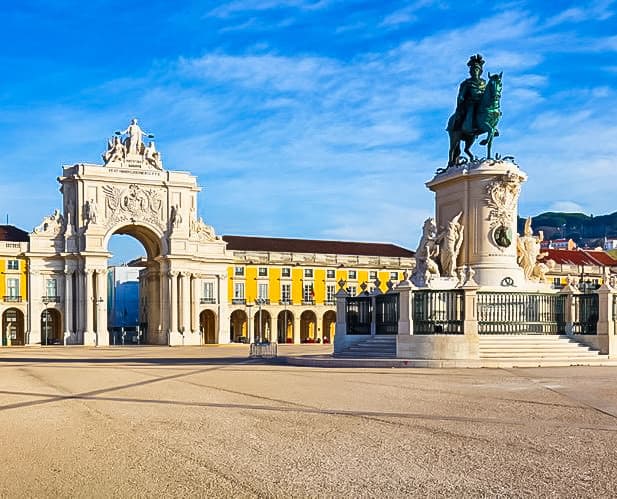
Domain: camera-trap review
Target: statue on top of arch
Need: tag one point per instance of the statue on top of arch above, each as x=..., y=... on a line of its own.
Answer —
x=127, y=147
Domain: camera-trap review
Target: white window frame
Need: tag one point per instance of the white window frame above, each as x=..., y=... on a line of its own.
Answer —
x=262, y=271
x=286, y=272
x=352, y=275
x=51, y=287
x=308, y=293
x=12, y=287
x=262, y=291
x=330, y=292
x=330, y=274
x=207, y=290
x=308, y=273
x=239, y=291
x=12, y=264
x=239, y=271
x=286, y=292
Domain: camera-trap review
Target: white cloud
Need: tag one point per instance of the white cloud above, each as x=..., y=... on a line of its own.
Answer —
x=567, y=207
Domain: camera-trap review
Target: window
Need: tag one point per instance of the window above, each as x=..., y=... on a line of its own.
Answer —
x=262, y=272
x=308, y=294
x=239, y=290
x=285, y=272
x=239, y=271
x=330, y=292
x=262, y=291
x=12, y=264
x=286, y=293
x=52, y=287
x=372, y=275
x=308, y=272
x=394, y=276
x=351, y=274
x=12, y=287
x=208, y=290
x=352, y=290
x=330, y=274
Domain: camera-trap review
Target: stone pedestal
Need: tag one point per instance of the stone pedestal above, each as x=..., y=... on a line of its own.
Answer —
x=486, y=193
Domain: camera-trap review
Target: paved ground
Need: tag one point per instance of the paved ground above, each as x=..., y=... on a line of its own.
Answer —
x=157, y=421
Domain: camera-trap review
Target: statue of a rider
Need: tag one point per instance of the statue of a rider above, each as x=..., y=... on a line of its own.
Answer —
x=469, y=95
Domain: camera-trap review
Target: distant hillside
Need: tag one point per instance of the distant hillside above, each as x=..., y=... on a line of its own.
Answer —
x=577, y=226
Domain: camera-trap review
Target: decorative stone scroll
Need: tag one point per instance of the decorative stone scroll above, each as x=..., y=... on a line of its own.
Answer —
x=502, y=198
x=133, y=204
x=52, y=225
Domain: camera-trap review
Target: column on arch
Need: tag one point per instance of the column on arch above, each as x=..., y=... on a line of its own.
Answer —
x=88, y=303
x=195, y=303
x=68, y=304
x=185, y=301
x=102, y=335
x=173, y=302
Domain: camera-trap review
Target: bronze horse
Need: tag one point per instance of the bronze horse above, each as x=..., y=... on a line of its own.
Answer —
x=487, y=117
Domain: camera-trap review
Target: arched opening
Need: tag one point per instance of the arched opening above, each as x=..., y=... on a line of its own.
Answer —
x=308, y=327
x=285, y=327
x=13, y=327
x=207, y=326
x=51, y=327
x=135, y=314
x=262, y=323
x=238, y=330
x=328, y=326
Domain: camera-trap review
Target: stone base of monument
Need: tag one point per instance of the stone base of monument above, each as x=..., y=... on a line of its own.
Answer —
x=476, y=281
x=437, y=347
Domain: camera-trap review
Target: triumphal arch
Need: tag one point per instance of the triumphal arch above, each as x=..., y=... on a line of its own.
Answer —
x=129, y=193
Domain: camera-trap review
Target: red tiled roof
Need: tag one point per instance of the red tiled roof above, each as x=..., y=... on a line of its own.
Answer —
x=580, y=257
x=13, y=234
x=276, y=244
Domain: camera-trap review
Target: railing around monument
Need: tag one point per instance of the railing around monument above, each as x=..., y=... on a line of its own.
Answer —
x=586, y=309
x=387, y=313
x=521, y=313
x=358, y=311
x=438, y=312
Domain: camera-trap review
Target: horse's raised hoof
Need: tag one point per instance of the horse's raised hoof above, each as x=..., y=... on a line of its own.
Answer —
x=483, y=142
x=496, y=134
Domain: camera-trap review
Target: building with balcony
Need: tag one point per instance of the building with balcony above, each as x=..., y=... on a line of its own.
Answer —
x=13, y=285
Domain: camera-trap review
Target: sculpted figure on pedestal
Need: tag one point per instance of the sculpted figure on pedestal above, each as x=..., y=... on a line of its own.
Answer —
x=116, y=151
x=152, y=156
x=528, y=252
x=175, y=218
x=450, y=241
x=426, y=253
x=134, y=140
x=477, y=111
x=91, y=211
x=51, y=225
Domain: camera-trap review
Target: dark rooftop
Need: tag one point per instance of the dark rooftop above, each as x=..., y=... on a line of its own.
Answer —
x=281, y=245
x=13, y=234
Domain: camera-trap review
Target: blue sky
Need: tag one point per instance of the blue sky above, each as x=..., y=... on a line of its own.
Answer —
x=308, y=118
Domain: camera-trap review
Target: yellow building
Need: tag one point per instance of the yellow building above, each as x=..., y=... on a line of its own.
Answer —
x=13, y=285
x=284, y=289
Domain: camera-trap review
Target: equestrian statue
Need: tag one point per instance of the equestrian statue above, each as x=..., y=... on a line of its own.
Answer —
x=477, y=112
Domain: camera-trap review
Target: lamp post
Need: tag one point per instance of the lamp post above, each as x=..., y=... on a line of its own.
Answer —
x=46, y=302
